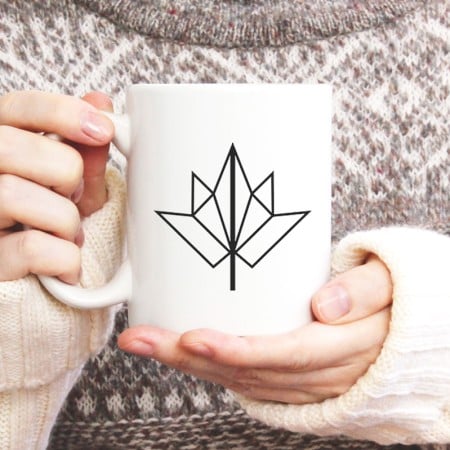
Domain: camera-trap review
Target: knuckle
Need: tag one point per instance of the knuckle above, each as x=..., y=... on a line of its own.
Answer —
x=28, y=246
x=33, y=247
x=244, y=381
x=182, y=363
x=72, y=260
x=7, y=136
x=70, y=221
x=246, y=376
x=8, y=190
x=301, y=362
x=72, y=168
x=74, y=214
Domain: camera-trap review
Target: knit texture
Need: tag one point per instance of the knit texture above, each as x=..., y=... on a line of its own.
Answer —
x=28, y=415
x=388, y=63
x=405, y=395
x=212, y=431
x=249, y=23
x=43, y=343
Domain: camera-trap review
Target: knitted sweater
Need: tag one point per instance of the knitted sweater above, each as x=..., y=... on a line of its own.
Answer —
x=389, y=66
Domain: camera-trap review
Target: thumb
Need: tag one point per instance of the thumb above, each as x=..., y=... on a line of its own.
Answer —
x=94, y=158
x=355, y=294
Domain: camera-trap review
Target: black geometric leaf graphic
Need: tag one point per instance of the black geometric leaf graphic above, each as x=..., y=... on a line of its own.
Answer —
x=232, y=219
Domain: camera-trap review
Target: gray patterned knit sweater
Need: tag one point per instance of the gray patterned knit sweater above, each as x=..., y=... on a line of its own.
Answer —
x=389, y=64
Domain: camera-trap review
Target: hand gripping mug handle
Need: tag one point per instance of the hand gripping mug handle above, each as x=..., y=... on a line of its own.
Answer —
x=118, y=289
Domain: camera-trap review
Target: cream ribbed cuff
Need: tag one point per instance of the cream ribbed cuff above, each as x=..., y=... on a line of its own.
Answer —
x=43, y=343
x=405, y=395
x=27, y=415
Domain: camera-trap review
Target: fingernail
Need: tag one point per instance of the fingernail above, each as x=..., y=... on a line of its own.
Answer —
x=79, y=237
x=333, y=303
x=95, y=125
x=78, y=193
x=139, y=347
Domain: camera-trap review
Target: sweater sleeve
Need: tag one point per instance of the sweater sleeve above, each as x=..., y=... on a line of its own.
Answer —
x=404, y=397
x=43, y=343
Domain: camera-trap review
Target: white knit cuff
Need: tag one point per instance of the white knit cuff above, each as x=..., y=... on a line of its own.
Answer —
x=405, y=395
x=28, y=415
x=40, y=338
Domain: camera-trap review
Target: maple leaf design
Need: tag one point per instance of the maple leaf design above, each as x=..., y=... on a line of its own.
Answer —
x=232, y=219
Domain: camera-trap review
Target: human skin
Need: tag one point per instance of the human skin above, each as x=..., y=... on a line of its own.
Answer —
x=318, y=361
x=48, y=185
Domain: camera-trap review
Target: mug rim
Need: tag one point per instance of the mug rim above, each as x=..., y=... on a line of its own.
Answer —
x=225, y=86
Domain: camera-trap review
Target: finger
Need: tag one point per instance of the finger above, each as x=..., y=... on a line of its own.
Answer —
x=358, y=293
x=34, y=251
x=291, y=396
x=163, y=345
x=140, y=340
x=290, y=386
x=312, y=347
x=95, y=158
x=28, y=203
x=40, y=159
x=67, y=116
x=328, y=381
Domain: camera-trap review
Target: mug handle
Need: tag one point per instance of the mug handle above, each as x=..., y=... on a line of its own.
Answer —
x=118, y=289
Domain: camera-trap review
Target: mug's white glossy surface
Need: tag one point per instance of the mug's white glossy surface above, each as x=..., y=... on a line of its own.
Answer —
x=229, y=193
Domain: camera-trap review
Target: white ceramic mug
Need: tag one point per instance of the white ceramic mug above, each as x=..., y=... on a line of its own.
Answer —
x=228, y=218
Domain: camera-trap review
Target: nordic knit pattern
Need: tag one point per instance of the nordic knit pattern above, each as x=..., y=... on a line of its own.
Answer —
x=388, y=63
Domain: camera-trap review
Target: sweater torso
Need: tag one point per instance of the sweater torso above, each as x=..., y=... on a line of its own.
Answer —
x=387, y=61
